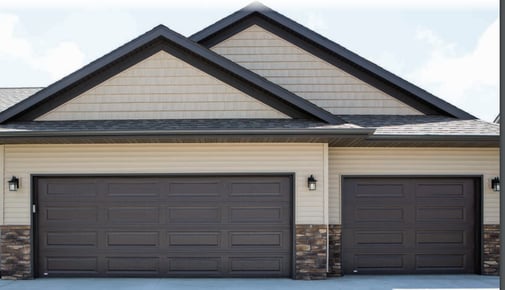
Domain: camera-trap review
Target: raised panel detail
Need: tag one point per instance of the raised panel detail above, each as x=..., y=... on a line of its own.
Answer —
x=255, y=189
x=255, y=214
x=440, y=237
x=131, y=189
x=71, y=264
x=364, y=261
x=440, y=261
x=255, y=264
x=197, y=239
x=194, y=264
x=440, y=190
x=379, y=191
x=255, y=239
x=190, y=189
x=69, y=239
x=187, y=215
x=379, y=214
x=136, y=239
x=77, y=190
x=71, y=214
x=378, y=238
x=139, y=215
x=440, y=214
x=132, y=264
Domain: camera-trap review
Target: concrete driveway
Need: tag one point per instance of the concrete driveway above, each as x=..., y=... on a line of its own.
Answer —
x=349, y=282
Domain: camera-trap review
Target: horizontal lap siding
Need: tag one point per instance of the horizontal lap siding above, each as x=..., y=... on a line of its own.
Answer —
x=302, y=159
x=162, y=87
x=414, y=161
x=306, y=75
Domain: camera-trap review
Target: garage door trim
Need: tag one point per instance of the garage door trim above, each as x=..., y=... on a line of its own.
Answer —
x=35, y=207
x=478, y=207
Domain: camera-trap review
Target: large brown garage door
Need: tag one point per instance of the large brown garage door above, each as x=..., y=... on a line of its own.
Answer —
x=225, y=226
x=408, y=225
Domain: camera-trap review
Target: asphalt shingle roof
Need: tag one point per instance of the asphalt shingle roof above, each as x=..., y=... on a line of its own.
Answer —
x=423, y=125
x=12, y=96
x=430, y=125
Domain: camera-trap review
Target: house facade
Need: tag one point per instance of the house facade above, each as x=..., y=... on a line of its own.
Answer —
x=254, y=148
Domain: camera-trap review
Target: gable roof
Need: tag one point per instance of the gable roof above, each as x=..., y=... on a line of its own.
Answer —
x=11, y=96
x=162, y=38
x=257, y=13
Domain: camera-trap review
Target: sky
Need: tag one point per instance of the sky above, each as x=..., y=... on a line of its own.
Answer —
x=448, y=47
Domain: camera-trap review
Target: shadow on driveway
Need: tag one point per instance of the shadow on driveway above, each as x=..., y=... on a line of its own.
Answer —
x=361, y=282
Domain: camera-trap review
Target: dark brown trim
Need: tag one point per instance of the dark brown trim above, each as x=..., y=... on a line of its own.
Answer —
x=330, y=52
x=478, y=207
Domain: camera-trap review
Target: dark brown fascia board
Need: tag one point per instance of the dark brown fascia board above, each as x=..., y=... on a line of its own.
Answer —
x=330, y=51
x=266, y=132
x=434, y=138
x=285, y=102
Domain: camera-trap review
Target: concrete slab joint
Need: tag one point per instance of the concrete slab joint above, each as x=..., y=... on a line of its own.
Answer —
x=16, y=252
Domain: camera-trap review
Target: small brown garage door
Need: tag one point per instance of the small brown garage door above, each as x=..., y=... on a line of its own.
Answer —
x=204, y=226
x=408, y=225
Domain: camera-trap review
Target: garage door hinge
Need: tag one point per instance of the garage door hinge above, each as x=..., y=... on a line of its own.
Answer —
x=34, y=209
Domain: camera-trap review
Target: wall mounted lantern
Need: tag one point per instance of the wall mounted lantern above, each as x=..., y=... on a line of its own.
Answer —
x=311, y=182
x=14, y=184
x=495, y=184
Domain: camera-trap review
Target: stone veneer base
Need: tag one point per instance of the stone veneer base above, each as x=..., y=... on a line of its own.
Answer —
x=16, y=252
x=335, y=250
x=311, y=244
x=491, y=246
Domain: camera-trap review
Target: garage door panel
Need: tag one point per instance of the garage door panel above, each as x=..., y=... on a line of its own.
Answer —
x=183, y=226
x=188, y=215
x=133, y=265
x=374, y=190
x=263, y=215
x=144, y=190
x=256, y=264
x=71, y=264
x=431, y=231
x=379, y=238
x=133, y=239
x=379, y=215
x=191, y=189
x=70, y=239
x=441, y=261
x=440, y=191
x=256, y=239
x=195, y=265
x=61, y=188
x=194, y=240
x=70, y=214
x=133, y=214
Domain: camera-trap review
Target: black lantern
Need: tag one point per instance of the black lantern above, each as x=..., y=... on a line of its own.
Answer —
x=495, y=184
x=311, y=182
x=14, y=184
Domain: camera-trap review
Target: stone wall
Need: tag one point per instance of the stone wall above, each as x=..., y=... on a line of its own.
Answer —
x=311, y=246
x=335, y=250
x=491, y=254
x=16, y=252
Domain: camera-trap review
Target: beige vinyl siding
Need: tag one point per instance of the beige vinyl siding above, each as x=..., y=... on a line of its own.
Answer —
x=414, y=161
x=307, y=75
x=161, y=87
x=301, y=159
